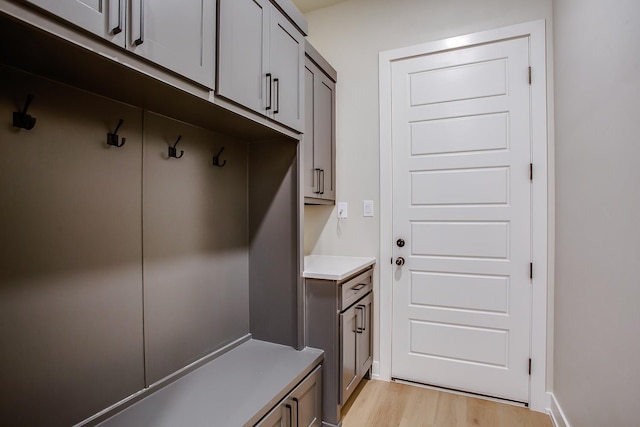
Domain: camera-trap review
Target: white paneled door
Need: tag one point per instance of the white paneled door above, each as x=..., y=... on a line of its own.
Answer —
x=462, y=208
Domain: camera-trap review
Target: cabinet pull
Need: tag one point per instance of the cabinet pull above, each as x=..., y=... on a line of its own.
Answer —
x=322, y=180
x=276, y=83
x=270, y=90
x=360, y=309
x=295, y=400
x=140, y=39
x=290, y=414
x=358, y=287
x=118, y=28
x=317, y=180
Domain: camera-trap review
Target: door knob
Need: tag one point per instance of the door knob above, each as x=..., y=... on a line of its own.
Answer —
x=399, y=261
x=400, y=243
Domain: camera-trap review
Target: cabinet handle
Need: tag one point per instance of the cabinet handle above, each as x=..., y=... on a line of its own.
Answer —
x=290, y=414
x=360, y=286
x=295, y=400
x=140, y=39
x=118, y=28
x=317, y=181
x=276, y=83
x=270, y=90
x=360, y=309
x=322, y=180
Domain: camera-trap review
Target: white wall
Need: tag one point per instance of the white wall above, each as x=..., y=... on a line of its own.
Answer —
x=597, y=77
x=350, y=35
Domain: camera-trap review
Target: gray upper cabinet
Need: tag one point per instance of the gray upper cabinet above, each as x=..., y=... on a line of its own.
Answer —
x=320, y=132
x=179, y=36
x=261, y=56
x=104, y=18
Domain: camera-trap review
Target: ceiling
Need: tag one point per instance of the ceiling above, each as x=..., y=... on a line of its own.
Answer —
x=309, y=5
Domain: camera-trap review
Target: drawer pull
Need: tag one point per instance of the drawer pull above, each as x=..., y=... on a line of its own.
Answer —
x=358, y=287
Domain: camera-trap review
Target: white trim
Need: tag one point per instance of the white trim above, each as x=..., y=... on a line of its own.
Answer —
x=536, y=32
x=556, y=413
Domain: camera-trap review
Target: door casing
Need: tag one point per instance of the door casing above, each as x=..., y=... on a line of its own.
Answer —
x=535, y=31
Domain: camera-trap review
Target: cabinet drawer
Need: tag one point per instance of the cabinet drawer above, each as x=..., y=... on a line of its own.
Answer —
x=354, y=289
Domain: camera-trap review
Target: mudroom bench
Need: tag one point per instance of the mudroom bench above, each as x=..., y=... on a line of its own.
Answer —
x=256, y=384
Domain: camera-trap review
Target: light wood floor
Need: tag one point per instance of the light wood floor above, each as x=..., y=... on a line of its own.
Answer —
x=389, y=404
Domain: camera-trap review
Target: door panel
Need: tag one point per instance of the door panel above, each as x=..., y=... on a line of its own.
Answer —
x=323, y=149
x=365, y=342
x=286, y=62
x=177, y=35
x=349, y=350
x=242, y=46
x=461, y=200
x=100, y=17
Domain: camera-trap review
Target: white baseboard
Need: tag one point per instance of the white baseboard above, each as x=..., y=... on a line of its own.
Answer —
x=375, y=370
x=555, y=411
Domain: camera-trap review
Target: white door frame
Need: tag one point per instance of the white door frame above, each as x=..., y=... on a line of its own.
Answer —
x=537, y=40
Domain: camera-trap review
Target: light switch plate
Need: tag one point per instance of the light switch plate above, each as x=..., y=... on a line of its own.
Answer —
x=343, y=210
x=367, y=208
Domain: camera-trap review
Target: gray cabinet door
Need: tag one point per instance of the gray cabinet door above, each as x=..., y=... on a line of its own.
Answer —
x=286, y=64
x=319, y=136
x=365, y=338
x=105, y=18
x=310, y=176
x=349, y=339
x=242, y=46
x=324, y=130
x=177, y=35
x=307, y=401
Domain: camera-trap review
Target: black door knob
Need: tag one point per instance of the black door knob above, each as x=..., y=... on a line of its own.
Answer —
x=400, y=243
x=399, y=261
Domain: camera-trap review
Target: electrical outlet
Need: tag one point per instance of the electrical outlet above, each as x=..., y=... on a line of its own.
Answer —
x=367, y=208
x=343, y=210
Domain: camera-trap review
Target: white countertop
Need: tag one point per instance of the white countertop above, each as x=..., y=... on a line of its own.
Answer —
x=329, y=267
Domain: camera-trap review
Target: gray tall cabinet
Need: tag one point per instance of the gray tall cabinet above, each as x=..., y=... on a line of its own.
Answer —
x=319, y=138
x=125, y=269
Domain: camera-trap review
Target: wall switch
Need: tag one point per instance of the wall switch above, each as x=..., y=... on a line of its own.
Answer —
x=342, y=210
x=367, y=208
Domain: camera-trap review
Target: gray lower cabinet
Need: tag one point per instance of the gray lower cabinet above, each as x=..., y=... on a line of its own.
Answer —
x=179, y=36
x=261, y=60
x=320, y=131
x=355, y=337
x=338, y=320
x=301, y=408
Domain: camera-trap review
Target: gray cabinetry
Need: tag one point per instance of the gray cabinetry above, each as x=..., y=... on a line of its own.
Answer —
x=179, y=36
x=301, y=408
x=105, y=18
x=320, y=132
x=338, y=321
x=355, y=336
x=261, y=56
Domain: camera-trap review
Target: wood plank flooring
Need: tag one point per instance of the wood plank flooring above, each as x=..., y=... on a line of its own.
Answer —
x=390, y=404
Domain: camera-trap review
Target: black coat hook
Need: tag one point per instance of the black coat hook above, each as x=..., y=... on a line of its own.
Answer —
x=216, y=159
x=21, y=119
x=113, y=138
x=172, y=150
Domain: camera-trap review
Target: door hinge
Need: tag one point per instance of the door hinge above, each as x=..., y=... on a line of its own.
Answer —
x=529, y=75
x=529, y=366
x=530, y=270
x=530, y=171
